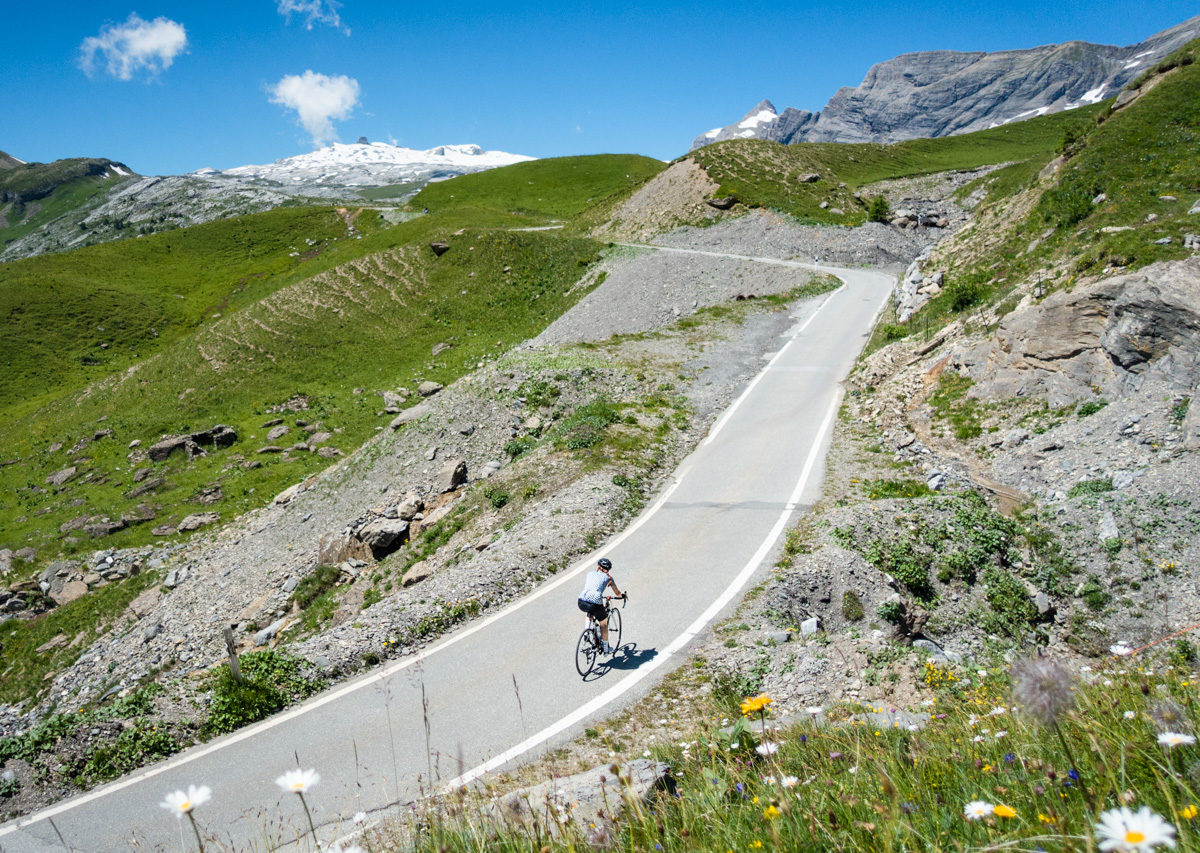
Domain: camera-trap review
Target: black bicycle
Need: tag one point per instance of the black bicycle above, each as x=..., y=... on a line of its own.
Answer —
x=590, y=645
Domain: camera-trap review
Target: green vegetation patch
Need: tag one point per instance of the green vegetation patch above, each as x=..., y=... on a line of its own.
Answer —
x=950, y=403
x=271, y=681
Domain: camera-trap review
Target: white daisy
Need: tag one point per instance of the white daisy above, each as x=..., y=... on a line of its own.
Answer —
x=1175, y=739
x=1122, y=830
x=298, y=781
x=1120, y=650
x=977, y=809
x=182, y=803
x=767, y=748
x=1129, y=715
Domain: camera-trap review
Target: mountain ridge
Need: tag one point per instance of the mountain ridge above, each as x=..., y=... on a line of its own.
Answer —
x=944, y=92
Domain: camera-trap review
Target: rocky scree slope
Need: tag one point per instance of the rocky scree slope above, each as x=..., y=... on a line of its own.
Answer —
x=940, y=93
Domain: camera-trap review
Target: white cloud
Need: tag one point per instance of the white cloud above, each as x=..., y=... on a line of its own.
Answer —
x=134, y=46
x=318, y=101
x=314, y=12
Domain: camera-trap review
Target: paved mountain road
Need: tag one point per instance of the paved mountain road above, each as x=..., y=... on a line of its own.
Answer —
x=684, y=560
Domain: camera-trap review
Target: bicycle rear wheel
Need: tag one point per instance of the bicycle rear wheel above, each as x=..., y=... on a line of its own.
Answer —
x=614, y=629
x=585, y=652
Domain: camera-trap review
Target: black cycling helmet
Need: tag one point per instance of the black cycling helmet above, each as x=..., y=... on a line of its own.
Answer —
x=604, y=563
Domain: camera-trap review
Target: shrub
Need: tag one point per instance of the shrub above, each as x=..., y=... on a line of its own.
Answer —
x=496, y=496
x=890, y=611
x=1091, y=487
x=270, y=681
x=852, y=606
x=314, y=584
x=961, y=295
x=586, y=425
x=1091, y=407
x=519, y=446
x=1013, y=612
x=135, y=747
x=879, y=210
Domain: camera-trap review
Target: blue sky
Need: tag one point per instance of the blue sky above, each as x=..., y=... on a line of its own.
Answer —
x=170, y=87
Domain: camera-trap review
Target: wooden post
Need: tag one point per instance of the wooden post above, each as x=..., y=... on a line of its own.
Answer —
x=234, y=669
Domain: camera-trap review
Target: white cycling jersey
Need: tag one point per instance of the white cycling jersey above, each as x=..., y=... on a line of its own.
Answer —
x=593, y=586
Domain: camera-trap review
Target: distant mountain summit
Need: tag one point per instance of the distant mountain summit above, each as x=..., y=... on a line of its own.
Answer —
x=365, y=164
x=945, y=92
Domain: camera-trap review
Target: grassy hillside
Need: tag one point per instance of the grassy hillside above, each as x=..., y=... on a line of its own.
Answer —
x=766, y=174
x=540, y=191
x=226, y=322
x=33, y=194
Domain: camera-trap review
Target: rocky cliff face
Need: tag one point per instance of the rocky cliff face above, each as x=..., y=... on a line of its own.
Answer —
x=943, y=92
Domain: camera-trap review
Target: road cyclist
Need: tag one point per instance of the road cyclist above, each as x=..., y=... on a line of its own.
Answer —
x=591, y=599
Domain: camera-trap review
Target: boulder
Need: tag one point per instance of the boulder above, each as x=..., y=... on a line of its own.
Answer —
x=416, y=573
x=290, y=492
x=278, y=432
x=161, y=450
x=439, y=248
x=383, y=535
x=338, y=547
x=1194, y=209
x=104, y=528
x=163, y=530
x=59, y=478
x=6, y=560
x=71, y=591
x=428, y=388
x=409, y=506
x=216, y=436
x=198, y=520
x=319, y=438
x=141, y=606
x=452, y=475
x=328, y=452
x=148, y=486
x=268, y=633
x=409, y=415
x=724, y=203
x=809, y=178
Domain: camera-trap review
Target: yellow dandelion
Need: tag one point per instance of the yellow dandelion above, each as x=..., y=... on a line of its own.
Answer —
x=1189, y=812
x=1045, y=818
x=1004, y=811
x=770, y=812
x=756, y=704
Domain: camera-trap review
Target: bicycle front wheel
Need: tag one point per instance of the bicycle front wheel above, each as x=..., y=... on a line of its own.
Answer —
x=585, y=653
x=614, y=629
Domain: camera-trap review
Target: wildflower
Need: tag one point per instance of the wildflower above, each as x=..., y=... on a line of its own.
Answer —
x=360, y=817
x=756, y=704
x=182, y=803
x=1043, y=687
x=756, y=844
x=1189, y=812
x=767, y=748
x=298, y=781
x=999, y=735
x=1168, y=716
x=1129, y=715
x=835, y=755
x=1120, y=650
x=1045, y=818
x=977, y=809
x=791, y=781
x=814, y=710
x=770, y=812
x=977, y=739
x=1123, y=830
x=1009, y=758
x=997, y=711
x=1002, y=810
x=1175, y=739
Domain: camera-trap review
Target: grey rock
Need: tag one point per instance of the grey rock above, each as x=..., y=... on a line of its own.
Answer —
x=1122, y=479
x=291, y=583
x=151, y=632
x=810, y=626
x=278, y=432
x=1042, y=602
x=416, y=573
x=384, y=535
x=268, y=633
x=1108, y=527
x=779, y=637
x=198, y=520
x=452, y=475
x=409, y=415
x=1195, y=208
x=928, y=646
x=936, y=481
x=61, y=477
x=428, y=388
x=162, y=449
x=723, y=203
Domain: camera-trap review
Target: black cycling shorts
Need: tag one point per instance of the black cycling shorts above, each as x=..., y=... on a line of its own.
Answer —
x=596, y=611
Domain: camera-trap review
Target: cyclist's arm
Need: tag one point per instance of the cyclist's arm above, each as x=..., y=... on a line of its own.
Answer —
x=616, y=592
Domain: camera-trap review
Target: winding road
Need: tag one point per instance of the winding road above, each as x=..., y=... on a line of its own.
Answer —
x=505, y=687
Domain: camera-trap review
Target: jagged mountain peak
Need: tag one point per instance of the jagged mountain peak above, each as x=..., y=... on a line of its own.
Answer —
x=945, y=92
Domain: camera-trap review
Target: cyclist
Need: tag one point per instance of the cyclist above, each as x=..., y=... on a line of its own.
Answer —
x=591, y=600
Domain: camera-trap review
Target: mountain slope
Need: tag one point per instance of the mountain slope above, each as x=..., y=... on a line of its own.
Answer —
x=940, y=93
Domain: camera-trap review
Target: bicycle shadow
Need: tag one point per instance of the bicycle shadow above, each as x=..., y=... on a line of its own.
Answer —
x=628, y=657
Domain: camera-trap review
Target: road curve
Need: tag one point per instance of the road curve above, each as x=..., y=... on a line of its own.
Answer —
x=505, y=686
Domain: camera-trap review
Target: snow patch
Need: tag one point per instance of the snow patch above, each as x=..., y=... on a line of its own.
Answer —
x=121, y=171
x=760, y=117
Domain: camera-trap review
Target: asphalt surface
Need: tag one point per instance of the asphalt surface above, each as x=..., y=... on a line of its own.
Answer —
x=505, y=687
